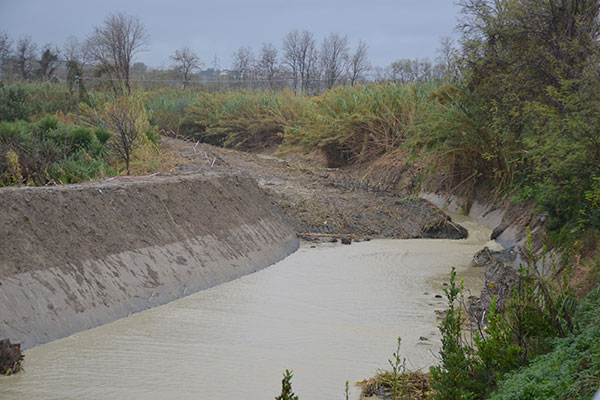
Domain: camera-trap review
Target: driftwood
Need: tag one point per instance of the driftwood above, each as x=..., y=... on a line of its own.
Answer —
x=11, y=357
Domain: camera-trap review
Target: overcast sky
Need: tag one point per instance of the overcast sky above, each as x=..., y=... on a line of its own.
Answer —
x=393, y=29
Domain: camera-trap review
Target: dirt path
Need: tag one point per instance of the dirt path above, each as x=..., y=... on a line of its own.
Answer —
x=324, y=201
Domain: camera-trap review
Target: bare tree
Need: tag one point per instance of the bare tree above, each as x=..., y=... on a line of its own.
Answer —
x=291, y=54
x=48, y=62
x=114, y=44
x=126, y=117
x=25, y=56
x=243, y=62
x=267, y=63
x=5, y=50
x=358, y=63
x=333, y=57
x=448, y=59
x=300, y=55
x=185, y=62
x=76, y=57
x=308, y=58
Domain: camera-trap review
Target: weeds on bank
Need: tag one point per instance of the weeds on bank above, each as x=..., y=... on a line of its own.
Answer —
x=543, y=342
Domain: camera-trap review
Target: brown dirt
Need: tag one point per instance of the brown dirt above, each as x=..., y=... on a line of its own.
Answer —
x=63, y=225
x=324, y=200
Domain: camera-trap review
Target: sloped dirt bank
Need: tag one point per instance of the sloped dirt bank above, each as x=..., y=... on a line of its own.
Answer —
x=77, y=256
x=319, y=200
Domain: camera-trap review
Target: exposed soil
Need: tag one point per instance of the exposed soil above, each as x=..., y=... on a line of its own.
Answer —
x=43, y=227
x=324, y=202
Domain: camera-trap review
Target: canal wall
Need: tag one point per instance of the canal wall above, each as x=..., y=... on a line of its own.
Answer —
x=509, y=221
x=77, y=256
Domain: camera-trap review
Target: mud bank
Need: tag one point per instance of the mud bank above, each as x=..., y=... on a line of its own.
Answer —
x=78, y=256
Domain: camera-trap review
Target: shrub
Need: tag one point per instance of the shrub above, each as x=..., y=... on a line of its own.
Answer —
x=355, y=124
x=46, y=151
x=126, y=116
x=570, y=371
x=453, y=379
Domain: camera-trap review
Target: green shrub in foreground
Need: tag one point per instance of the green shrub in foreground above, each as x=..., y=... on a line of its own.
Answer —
x=571, y=371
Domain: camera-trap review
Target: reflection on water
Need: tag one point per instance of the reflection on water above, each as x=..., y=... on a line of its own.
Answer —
x=331, y=314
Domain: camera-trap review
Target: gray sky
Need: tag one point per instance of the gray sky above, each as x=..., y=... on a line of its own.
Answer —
x=392, y=29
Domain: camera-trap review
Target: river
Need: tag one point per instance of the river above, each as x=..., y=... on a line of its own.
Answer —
x=330, y=313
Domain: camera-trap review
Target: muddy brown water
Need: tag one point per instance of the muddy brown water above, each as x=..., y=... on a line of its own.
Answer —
x=331, y=313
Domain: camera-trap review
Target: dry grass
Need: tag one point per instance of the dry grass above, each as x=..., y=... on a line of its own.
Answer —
x=412, y=385
x=149, y=158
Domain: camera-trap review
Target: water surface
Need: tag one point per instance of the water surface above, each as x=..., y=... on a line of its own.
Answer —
x=330, y=313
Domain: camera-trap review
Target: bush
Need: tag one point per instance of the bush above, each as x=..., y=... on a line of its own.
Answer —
x=48, y=151
x=30, y=101
x=242, y=120
x=570, y=371
x=355, y=124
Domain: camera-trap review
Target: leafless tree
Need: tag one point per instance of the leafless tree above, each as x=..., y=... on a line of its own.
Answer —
x=25, y=56
x=448, y=59
x=114, y=44
x=291, y=54
x=185, y=62
x=333, y=57
x=126, y=117
x=267, y=63
x=243, y=63
x=411, y=70
x=358, y=63
x=5, y=50
x=76, y=57
x=300, y=55
x=308, y=57
x=48, y=62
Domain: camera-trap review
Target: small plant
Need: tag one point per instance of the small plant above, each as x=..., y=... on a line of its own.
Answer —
x=398, y=366
x=286, y=387
x=125, y=116
x=453, y=379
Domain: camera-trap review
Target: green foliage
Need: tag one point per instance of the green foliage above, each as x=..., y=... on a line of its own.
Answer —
x=354, y=124
x=102, y=135
x=48, y=151
x=30, y=101
x=286, y=387
x=13, y=103
x=242, y=120
x=398, y=368
x=453, y=378
x=570, y=371
x=166, y=107
x=126, y=116
x=496, y=350
x=538, y=311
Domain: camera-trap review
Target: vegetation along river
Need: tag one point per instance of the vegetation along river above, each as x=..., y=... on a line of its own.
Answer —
x=330, y=313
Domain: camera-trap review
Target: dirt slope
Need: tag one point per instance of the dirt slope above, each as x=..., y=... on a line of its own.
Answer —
x=323, y=200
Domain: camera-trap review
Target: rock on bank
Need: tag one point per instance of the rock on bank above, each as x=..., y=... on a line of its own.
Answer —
x=78, y=256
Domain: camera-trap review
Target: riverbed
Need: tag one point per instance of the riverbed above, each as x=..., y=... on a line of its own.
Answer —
x=330, y=313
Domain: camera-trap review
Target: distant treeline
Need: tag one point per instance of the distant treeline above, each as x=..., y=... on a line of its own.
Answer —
x=301, y=62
